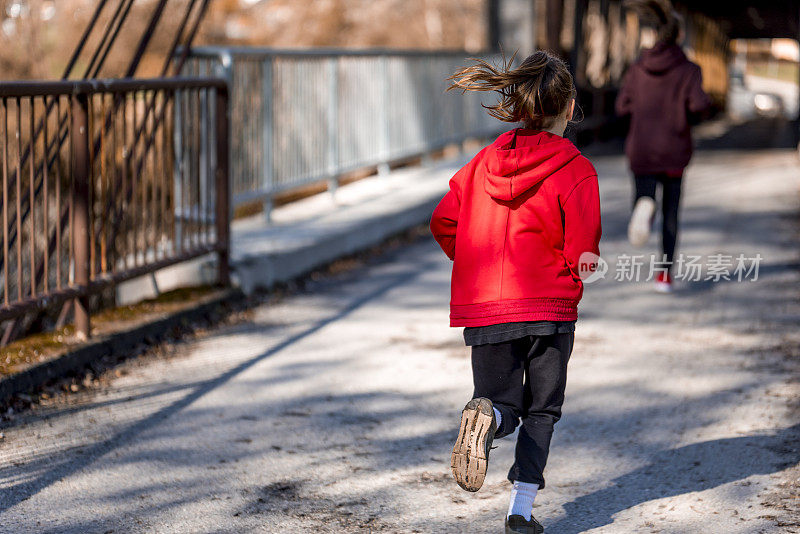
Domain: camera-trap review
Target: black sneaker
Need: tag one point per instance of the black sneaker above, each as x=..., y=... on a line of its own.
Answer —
x=516, y=524
x=470, y=457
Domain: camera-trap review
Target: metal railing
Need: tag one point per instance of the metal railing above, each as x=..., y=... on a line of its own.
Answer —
x=304, y=116
x=101, y=184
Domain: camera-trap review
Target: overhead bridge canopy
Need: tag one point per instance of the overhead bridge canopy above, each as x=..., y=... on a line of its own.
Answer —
x=742, y=19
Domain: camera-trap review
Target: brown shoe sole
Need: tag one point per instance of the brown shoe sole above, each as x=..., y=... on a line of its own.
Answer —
x=470, y=460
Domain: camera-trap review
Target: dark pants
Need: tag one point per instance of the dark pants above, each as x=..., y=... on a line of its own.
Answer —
x=525, y=380
x=670, y=199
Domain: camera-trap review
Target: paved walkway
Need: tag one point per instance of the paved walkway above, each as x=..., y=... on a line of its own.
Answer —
x=333, y=410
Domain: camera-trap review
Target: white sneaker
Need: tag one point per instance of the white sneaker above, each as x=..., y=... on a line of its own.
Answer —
x=641, y=221
x=663, y=283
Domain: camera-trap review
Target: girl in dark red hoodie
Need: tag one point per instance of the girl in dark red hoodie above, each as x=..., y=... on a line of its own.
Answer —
x=663, y=95
x=521, y=222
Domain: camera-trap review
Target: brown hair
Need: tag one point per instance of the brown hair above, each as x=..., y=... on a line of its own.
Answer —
x=536, y=92
x=657, y=14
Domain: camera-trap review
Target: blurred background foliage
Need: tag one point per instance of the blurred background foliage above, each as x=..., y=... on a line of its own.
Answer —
x=37, y=36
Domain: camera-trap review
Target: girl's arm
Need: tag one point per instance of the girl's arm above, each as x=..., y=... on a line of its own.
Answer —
x=445, y=218
x=624, y=104
x=697, y=101
x=582, y=227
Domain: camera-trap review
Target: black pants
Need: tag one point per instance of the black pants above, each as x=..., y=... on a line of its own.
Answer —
x=525, y=380
x=670, y=199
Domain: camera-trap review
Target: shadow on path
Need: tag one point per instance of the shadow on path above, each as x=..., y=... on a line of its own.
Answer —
x=756, y=134
x=697, y=467
x=23, y=490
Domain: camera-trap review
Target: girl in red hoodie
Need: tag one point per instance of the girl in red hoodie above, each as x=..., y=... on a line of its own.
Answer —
x=521, y=222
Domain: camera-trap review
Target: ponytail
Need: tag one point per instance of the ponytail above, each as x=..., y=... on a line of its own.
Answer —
x=536, y=92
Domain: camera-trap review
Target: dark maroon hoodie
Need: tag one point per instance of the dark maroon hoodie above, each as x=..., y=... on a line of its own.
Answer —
x=661, y=91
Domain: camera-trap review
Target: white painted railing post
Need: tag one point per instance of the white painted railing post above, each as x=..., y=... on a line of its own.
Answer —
x=267, y=131
x=383, y=117
x=333, y=125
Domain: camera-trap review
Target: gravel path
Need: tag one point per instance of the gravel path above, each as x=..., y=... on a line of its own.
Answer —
x=333, y=410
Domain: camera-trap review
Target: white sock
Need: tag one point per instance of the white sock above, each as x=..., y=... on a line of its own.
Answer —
x=522, y=497
x=498, y=417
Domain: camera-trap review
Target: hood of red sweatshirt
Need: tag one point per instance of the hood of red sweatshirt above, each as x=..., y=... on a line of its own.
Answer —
x=662, y=57
x=520, y=159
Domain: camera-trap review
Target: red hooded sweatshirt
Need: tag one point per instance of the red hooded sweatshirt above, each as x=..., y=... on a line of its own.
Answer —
x=516, y=220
